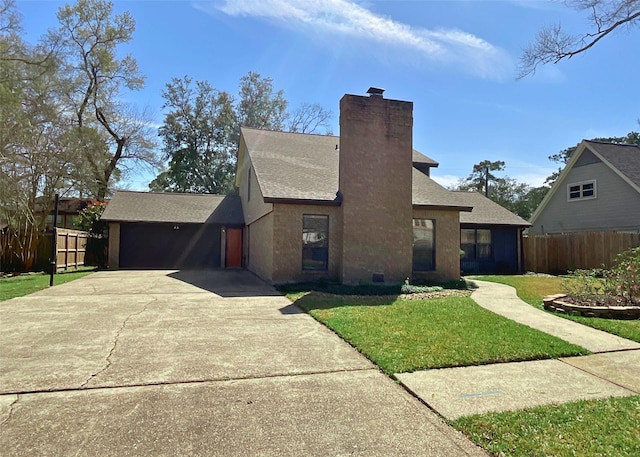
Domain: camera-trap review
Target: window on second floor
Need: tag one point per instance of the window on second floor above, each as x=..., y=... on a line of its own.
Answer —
x=581, y=190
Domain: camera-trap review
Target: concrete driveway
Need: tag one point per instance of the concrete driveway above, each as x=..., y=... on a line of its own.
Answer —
x=195, y=363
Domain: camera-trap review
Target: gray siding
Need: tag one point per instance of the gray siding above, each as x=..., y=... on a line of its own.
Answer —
x=617, y=206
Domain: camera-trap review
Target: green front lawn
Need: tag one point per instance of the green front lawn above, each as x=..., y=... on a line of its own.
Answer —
x=403, y=336
x=442, y=332
x=532, y=289
x=18, y=286
x=609, y=427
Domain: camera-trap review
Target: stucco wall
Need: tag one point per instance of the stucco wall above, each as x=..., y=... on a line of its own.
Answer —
x=447, y=237
x=259, y=247
x=287, y=242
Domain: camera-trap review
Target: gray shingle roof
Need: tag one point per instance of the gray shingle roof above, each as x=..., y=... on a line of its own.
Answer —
x=419, y=158
x=427, y=192
x=624, y=157
x=128, y=206
x=305, y=167
x=294, y=165
x=486, y=211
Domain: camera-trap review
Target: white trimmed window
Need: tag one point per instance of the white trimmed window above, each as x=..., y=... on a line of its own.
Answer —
x=584, y=190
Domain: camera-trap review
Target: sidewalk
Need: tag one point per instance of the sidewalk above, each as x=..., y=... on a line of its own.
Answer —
x=502, y=299
x=612, y=371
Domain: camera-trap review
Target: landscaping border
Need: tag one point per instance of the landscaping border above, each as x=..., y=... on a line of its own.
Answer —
x=555, y=303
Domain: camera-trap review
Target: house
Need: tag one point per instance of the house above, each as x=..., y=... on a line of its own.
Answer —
x=599, y=190
x=174, y=231
x=490, y=237
x=361, y=207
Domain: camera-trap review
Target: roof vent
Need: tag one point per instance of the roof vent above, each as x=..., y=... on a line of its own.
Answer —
x=375, y=92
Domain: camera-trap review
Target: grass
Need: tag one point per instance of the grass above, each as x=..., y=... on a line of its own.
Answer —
x=18, y=286
x=609, y=427
x=404, y=336
x=419, y=334
x=532, y=289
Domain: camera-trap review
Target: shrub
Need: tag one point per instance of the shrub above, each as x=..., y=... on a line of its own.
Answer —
x=586, y=284
x=411, y=289
x=623, y=276
x=89, y=220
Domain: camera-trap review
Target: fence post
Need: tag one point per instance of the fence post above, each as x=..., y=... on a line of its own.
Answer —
x=54, y=240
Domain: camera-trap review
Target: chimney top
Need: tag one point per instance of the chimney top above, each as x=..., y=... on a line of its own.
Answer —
x=375, y=92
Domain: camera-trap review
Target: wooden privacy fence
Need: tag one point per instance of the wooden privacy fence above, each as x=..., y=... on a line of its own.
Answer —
x=561, y=252
x=71, y=248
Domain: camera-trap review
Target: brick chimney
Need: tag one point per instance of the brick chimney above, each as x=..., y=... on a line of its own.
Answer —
x=376, y=145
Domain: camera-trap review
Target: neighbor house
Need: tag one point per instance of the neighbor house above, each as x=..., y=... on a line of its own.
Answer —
x=68, y=209
x=356, y=208
x=599, y=190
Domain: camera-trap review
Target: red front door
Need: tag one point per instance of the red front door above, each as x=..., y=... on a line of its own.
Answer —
x=233, y=252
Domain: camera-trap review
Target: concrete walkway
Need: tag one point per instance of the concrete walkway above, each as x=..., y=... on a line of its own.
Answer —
x=503, y=300
x=613, y=370
x=175, y=363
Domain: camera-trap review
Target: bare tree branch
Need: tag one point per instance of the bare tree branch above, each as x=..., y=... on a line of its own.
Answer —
x=553, y=44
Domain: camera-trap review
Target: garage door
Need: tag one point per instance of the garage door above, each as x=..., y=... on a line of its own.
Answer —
x=169, y=246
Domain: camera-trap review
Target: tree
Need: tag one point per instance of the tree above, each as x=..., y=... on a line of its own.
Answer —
x=309, y=118
x=481, y=175
x=554, y=44
x=63, y=128
x=517, y=197
x=88, y=219
x=260, y=107
x=35, y=156
x=86, y=44
x=201, y=129
x=199, y=139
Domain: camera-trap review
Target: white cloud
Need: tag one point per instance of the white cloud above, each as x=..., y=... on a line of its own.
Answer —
x=534, y=178
x=349, y=19
x=448, y=181
x=548, y=5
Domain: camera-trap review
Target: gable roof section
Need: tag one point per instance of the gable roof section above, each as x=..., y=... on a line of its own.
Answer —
x=295, y=166
x=486, y=211
x=128, y=206
x=419, y=158
x=623, y=159
x=429, y=194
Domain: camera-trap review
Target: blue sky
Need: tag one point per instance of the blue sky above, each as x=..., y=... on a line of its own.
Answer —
x=456, y=60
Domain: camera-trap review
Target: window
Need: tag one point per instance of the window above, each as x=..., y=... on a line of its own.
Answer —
x=476, y=244
x=424, y=246
x=315, y=242
x=581, y=190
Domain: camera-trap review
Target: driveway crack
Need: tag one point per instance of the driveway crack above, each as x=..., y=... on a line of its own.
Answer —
x=11, y=410
x=115, y=343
